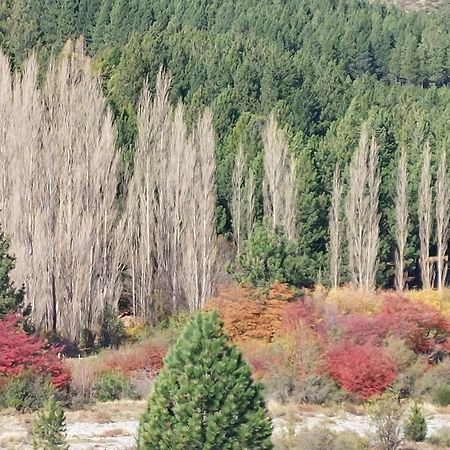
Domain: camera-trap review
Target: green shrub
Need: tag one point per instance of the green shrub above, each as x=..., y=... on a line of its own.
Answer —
x=26, y=392
x=204, y=397
x=386, y=414
x=416, y=427
x=112, y=385
x=268, y=256
x=112, y=332
x=10, y=298
x=441, y=395
x=49, y=427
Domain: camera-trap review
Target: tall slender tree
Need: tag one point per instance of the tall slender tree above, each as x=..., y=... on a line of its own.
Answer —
x=60, y=212
x=335, y=227
x=442, y=219
x=280, y=185
x=401, y=216
x=362, y=213
x=238, y=198
x=425, y=219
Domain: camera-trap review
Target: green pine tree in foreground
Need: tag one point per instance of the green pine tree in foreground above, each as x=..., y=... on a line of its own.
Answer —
x=204, y=397
x=49, y=427
x=416, y=428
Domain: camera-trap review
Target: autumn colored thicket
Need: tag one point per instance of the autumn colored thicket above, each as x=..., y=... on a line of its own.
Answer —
x=309, y=339
x=364, y=370
x=20, y=351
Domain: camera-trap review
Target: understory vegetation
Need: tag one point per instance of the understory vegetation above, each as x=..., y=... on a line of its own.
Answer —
x=230, y=203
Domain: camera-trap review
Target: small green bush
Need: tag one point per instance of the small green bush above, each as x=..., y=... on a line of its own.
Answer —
x=26, y=392
x=268, y=256
x=112, y=332
x=386, y=415
x=49, y=427
x=112, y=385
x=416, y=427
x=441, y=395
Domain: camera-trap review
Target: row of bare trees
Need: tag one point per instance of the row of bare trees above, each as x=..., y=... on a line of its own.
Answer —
x=361, y=218
x=169, y=214
x=280, y=187
x=59, y=173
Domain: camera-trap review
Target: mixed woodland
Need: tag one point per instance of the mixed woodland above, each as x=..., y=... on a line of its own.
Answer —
x=262, y=154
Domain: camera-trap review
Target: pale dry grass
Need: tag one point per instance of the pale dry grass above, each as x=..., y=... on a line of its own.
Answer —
x=418, y=5
x=349, y=300
x=108, y=412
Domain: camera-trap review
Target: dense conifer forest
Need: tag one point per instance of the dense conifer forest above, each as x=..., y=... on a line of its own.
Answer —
x=294, y=88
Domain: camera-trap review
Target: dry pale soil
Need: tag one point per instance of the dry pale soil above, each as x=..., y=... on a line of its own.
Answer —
x=113, y=425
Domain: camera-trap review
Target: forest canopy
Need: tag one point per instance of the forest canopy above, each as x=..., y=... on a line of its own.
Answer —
x=321, y=67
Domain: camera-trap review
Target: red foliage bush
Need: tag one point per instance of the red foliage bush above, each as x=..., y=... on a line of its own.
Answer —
x=20, y=351
x=146, y=357
x=303, y=311
x=364, y=370
x=418, y=324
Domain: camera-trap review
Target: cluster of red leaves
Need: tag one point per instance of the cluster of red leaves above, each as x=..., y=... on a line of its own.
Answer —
x=20, y=351
x=358, y=360
x=364, y=370
x=146, y=357
x=418, y=324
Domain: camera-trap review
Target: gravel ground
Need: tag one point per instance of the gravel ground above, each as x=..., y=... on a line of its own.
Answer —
x=113, y=426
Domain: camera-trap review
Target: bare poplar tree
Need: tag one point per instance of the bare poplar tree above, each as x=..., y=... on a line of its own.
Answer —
x=200, y=239
x=280, y=187
x=442, y=219
x=424, y=210
x=238, y=198
x=170, y=207
x=362, y=213
x=401, y=215
x=373, y=217
x=250, y=202
x=61, y=209
x=335, y=228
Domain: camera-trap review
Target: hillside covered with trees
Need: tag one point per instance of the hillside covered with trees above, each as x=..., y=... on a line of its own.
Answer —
x=292, y=90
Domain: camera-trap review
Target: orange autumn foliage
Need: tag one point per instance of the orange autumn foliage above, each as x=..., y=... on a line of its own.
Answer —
x=250, y=313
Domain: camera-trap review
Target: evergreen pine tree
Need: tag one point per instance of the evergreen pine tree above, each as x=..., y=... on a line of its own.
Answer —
x=204, y=397
x=416, y=428
x=49, y=427
x=10, y=299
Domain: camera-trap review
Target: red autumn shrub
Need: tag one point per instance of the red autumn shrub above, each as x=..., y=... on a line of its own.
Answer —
x=20, y=351
x=304, y=311
x=364, y=370
x=145, y=356
x=361, y=329
x=420, y=325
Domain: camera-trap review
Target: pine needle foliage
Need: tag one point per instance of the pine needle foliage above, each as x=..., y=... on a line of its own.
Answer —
x=49, y=427
x=416, y=428
x=204, y=397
